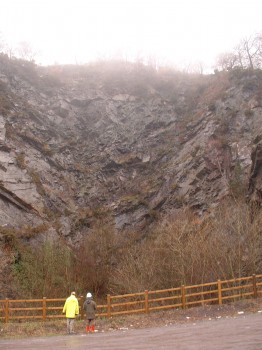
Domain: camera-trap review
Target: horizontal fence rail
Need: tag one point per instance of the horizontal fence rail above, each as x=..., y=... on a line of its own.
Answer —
x=217, y=292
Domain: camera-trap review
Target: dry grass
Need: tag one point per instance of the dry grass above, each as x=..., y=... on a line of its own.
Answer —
x=184, y=249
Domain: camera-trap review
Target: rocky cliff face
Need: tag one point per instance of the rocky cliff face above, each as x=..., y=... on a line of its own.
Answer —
x=77, y=143
x=255, y=179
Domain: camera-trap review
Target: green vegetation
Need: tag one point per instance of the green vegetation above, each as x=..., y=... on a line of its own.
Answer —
x=44, y=269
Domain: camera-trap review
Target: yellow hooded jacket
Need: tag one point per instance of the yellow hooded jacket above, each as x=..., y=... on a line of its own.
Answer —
x=71, y=307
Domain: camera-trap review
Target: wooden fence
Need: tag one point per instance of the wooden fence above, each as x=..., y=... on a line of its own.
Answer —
x=217, y=292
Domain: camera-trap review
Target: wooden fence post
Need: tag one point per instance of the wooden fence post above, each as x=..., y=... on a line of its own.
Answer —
x=6, y=310
x=219, y=291
x=44, y=308
x=255, y=285
x=183, y=297
x=108, y=305
x=146, y=302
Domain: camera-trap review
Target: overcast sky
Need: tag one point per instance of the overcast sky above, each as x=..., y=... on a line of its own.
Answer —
x=174, y=31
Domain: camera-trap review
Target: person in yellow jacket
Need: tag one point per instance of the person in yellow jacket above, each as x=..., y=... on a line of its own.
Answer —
x=71, y=309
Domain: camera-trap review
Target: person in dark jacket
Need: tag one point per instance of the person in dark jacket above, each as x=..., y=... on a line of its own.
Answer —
x=90, y=309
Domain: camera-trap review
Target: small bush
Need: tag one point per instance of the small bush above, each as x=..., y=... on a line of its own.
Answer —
x=37, y=181
x=237, y=182
x=212, y=107
x=249, y=113
x=20, y=159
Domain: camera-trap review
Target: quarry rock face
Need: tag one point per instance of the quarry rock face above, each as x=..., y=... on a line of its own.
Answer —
x=125, y=140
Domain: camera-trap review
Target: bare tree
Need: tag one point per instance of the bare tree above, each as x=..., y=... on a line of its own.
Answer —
x=246, y=55
x=2, y=43
x=227, y=61
x=10, y=51
x=249, y=52
x=26, y=51
x=193, y=67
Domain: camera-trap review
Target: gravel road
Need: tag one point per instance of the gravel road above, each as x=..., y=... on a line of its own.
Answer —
x=242, y=332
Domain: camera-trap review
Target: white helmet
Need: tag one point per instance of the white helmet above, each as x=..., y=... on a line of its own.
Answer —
x=89, y=295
